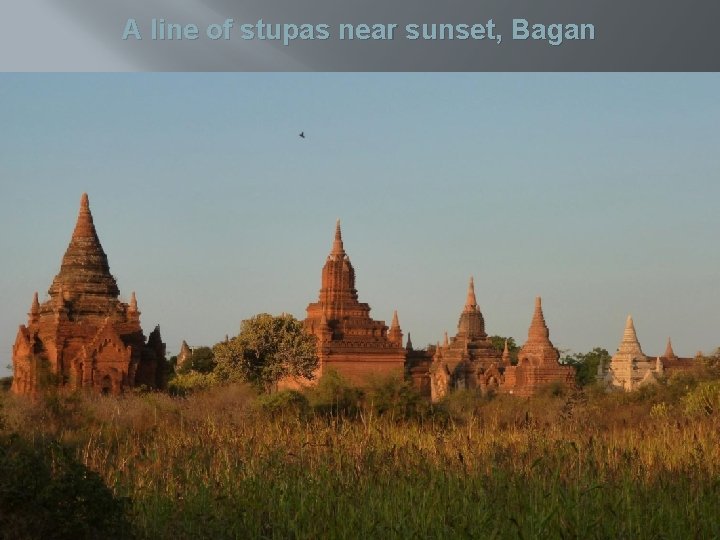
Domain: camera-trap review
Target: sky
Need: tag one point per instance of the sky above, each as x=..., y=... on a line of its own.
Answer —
x=598, y=192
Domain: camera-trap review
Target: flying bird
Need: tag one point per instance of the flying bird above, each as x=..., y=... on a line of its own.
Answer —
x=302, y=135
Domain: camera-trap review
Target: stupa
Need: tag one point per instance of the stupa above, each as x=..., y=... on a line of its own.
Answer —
x=83, y=335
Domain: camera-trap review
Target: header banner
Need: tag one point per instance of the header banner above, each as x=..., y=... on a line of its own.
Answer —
x=360, y=35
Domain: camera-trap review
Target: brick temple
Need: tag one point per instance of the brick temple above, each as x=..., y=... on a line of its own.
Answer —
x=83, y=336
x=349, y=340
x=468, y=359
x=538, y=362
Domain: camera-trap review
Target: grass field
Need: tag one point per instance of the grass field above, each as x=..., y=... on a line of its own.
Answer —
x=224, y=463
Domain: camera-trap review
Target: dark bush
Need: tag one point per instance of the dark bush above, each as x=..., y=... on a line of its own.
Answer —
x=46, y=493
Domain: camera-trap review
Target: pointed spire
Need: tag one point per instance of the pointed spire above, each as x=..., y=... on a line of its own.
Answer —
x=338, y=248
x=538, y=328
x=471, y=301
x=395, y=323
x=446, y=341
x=629, y=336
x=506, y=355
x=409, y=345
x=133, y=303
x=659, y=367
x=84, y=271
x=629, y=345
x=669, y=353
x=84, y=227
x=471, y=324
x=34, y=314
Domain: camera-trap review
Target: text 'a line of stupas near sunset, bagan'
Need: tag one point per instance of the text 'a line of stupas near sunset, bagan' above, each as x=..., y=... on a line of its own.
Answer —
x=83, y=337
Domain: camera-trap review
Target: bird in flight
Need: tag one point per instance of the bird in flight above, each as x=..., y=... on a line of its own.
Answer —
x=302, y=135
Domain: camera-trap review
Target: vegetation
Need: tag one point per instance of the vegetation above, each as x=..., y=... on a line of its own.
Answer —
x=498, y=343
x=202, y=360
x=340, y=462
x=267, y=349
x=586, y=364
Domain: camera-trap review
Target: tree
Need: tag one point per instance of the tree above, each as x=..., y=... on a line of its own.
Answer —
x=586, y=364
x=267, y=349
x=498, y=343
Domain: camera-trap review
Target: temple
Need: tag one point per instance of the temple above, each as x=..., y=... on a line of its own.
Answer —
x=538, y=362
x=630, y=368
x=350, y=342
x=83, y=336
x=468, y=359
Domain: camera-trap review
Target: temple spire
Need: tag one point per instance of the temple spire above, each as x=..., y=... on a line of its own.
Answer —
x=669, y=353
x=471, y=301
x=338, y=248
x=133, y=303
x=629, y=335
x=34, y=314
x=395, y=334
x=84, y=227
x=506, y=355
x=84, y=272
x=409, y=345
x=630, y=344
x=538, y=328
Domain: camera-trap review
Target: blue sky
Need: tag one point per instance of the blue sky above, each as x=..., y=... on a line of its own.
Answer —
x=597, y=191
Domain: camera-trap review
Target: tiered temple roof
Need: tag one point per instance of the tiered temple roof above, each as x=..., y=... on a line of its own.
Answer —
x=538, y=361
x=349, y=340
x=463, y=361
x=83, y=336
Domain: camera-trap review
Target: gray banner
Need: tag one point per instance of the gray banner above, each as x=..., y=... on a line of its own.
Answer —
x=560, y=35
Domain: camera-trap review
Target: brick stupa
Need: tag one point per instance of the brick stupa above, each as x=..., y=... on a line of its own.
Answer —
x=538, y=361
x=349, y=340
x=468, y=359
x=83, y=336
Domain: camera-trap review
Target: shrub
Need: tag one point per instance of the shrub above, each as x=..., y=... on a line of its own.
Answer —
x=285, y=403
x=187, y=383
x=395, y=398
x=334, y=395
x=703, y=400
x=46, y=493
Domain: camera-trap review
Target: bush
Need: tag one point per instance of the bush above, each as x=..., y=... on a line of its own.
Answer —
x=395, y=398
x=703, y=400
x=46, y=493
x=285, y=403
x=334, y=395
x=185, y=384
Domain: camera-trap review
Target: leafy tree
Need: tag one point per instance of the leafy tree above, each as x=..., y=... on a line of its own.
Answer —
x=203, y=360
x=267, y=349
x=498, y=343
x=586, y=364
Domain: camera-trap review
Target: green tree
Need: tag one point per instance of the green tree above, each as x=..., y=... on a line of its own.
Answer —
x=202, y=360
x=586, y=364
x=267, y=349
x=498, y=343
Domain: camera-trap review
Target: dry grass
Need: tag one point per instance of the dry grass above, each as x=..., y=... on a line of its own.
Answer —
x=214, y=465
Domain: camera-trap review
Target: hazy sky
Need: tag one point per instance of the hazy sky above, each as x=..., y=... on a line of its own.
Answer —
x=598, y=192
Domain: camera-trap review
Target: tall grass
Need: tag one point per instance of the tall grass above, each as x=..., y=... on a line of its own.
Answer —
x=217, y=464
